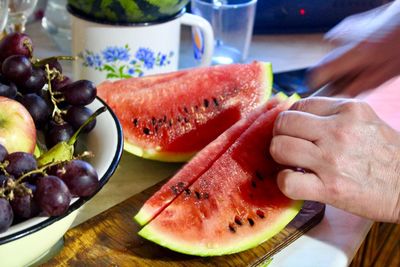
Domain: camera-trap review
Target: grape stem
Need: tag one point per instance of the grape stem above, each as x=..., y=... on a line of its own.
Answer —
x=73, y=138
x=51, y=74
x=46, y=61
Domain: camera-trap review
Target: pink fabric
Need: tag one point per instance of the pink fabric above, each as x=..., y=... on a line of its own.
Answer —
x=385, y=100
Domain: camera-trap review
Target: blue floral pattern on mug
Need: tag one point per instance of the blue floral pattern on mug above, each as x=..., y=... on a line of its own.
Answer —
x=118, y=62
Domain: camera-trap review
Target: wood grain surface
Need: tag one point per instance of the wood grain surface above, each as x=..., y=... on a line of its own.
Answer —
x=110, y=239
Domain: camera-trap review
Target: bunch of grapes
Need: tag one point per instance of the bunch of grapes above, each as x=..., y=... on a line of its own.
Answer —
x=56, y=103
x=27, y=190
x=58, y=107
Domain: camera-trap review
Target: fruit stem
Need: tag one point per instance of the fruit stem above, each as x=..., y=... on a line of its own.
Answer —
x=56, y=111
x=46, y=61
x=73, y=138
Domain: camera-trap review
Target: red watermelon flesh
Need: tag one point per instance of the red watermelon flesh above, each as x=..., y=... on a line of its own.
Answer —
x=198, y=165
x=113, y=91
x=233, y=205
x=173, y=116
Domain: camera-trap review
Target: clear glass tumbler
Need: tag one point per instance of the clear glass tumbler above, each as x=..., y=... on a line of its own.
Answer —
x=57, y=23
x=19, y=11
x=232, y=22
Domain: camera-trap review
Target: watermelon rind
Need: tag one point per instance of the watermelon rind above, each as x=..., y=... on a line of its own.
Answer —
x=158, y=155
x=153, y=154
x=201, y=249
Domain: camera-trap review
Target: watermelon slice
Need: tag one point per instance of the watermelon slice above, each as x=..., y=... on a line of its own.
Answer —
x=170, y=117
x=233, y=203
x=199, y=164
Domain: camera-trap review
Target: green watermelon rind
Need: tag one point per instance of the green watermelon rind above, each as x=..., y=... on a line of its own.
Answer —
x=165, y=156
x=250, y=242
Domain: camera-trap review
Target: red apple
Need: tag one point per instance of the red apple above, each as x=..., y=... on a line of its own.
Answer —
x=17, y=129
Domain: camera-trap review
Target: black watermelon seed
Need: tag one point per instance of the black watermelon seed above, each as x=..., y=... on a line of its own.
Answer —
x=181, y=184
x=215, y=101
x=259, y=176
x=135, y=122
x=186, y=120
x=238, y=221
x=260, y=214
x=206, y=103
x=165, y=118
x=232, y=228
x=205, y=195
x=197, y=194
x=179, y=119
x=156, y=129
x=186, y=110
x=170, y=122
x=146, y=131
x=253, y=184
x=174, y=190
x=153, y=121
x=251, y=222
x=196, y=107
x=187, y=191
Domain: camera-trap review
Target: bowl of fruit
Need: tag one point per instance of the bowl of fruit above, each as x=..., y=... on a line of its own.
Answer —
x=59, y=145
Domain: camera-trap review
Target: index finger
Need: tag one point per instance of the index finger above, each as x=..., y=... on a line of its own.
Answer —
x=320, y=106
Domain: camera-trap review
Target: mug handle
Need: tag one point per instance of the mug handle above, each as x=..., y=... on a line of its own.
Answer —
x=206, y=33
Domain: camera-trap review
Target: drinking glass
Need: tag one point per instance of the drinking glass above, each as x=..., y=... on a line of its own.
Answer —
x=3, y=15
x=19, y=11
x=232, y=22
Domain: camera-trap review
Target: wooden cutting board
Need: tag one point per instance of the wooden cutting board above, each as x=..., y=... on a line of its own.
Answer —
x=110, y=239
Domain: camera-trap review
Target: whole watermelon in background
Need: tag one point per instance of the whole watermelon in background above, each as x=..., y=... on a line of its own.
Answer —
x=170, y=117
x=128, y=11
x=225, y=204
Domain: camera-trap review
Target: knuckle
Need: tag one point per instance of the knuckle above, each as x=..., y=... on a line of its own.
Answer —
x=301, y=105
x=275, y=148
x=355, y=107
x=342, y=134
x=332, y=191
x=332, y=160
x=280, y=122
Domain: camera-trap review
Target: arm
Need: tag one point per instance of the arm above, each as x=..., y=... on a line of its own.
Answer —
x=367, y=51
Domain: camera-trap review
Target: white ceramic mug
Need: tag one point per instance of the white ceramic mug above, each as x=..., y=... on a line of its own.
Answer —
x=110, y=51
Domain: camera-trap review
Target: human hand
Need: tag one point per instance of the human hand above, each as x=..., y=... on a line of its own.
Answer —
x=367, y=52
x=351, y=156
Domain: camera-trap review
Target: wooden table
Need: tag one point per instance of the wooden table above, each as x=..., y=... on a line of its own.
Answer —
x=334, y=242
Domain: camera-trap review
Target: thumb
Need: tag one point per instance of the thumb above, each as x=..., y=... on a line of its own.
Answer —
x=299, y=185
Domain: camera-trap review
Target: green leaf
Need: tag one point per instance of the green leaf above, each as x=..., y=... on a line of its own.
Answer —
x=109, y=68
x=111, y=75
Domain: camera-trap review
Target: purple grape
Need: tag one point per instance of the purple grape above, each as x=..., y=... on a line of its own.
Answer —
x=76, y=116
x=79, y=93
x=80, y=177
x=20, y=163
x=15, y=44
x=3, y=153
x=24, y=206
x=34, y=83
x=60, y=82
x=6, y=215
x=57, y=133
x=8, y=90
x=53, y=64
x=38, y=109
x=17, y=69
x=52, y=195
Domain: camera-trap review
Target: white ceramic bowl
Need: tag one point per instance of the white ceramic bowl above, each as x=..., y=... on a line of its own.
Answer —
x=24, y=243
